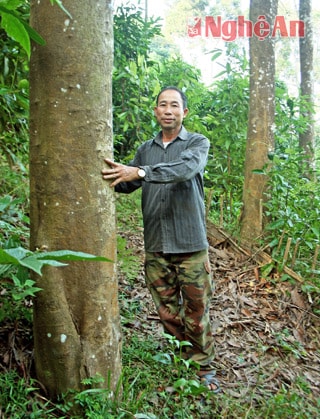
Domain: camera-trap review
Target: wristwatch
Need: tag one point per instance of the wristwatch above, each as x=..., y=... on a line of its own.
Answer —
x=141, y=173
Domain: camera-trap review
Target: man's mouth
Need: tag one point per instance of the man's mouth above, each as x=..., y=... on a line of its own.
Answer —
x=167, y=121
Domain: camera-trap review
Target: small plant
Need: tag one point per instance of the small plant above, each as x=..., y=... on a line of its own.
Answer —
x=172, y=357
x=16, y=293
x=18, y=398
x=293, y=212
x=97, y=401
x=289, y=403
x=182, y=385
x=94, y=402
x=289, y=344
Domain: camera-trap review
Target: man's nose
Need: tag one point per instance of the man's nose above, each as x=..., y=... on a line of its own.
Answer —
x=168, y=109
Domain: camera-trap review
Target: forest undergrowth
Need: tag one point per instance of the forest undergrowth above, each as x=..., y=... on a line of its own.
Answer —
x=267, y=347
x=267, y=337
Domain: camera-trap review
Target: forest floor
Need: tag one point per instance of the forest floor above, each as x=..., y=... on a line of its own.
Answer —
x=267, y=336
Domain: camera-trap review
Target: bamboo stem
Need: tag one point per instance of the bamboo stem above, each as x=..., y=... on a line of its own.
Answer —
x=293, y=261
x=315, y=257
x=209, y=199
x=260, y=213
x=281, y=240
x=286, y=252
x=221, y=210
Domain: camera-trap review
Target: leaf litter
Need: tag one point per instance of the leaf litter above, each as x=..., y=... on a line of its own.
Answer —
x=266, y=333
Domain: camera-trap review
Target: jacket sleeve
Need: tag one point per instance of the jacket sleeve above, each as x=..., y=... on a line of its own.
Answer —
x=184, y=166
x=128, y=187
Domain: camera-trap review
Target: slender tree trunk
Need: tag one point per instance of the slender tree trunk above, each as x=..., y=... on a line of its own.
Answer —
x=76, y=317
x=260, y=138
x=306, y=138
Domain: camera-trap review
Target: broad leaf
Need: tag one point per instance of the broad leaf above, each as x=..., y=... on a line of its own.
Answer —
x=10, y=4
x=71, y=255
x=35, y=261
x=6, y=200
x=36, y=265
x=12, y=256
x=18, y=29
x=15, y=29
x=164, y=358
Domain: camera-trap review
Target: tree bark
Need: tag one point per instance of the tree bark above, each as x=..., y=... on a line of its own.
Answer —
x=76, y=316
x=260, y=137
x=306, y=138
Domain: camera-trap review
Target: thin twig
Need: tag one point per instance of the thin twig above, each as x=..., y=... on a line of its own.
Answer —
x=286, y=252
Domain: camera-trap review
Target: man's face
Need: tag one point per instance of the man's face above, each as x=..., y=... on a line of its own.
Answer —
x=169, y=110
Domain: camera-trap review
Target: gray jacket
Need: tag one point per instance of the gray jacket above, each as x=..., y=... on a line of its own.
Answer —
x=172, y=192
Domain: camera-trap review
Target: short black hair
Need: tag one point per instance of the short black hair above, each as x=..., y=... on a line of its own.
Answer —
x=183, y=96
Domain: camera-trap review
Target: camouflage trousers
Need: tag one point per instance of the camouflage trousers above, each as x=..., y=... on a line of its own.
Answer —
x=181, y=287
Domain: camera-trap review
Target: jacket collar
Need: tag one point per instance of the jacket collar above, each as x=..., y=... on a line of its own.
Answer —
x=183, y=135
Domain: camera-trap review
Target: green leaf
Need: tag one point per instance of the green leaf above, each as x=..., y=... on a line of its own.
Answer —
x=36, y=265
x=36, y=261
x=6, y=200
x=23, y=26
x=267, y=269
x=216, y=55
x=71, y=255
x=59, y=3
x=184, y=343
x=33, y=34
x=180, y=383
x=163, y=358
x=12, y=256
x=220, y=74
x=275, y=225
x=196, y=384
x=258, y=172
x=15, y=29
x=274, y=242
x=30, y=292
x=11, y=4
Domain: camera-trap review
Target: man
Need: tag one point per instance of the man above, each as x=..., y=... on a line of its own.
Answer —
x=169, y=168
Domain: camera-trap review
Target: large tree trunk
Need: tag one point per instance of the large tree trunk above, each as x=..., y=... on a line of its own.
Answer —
x=306, y=138
x=260, y=138
x=76, y=317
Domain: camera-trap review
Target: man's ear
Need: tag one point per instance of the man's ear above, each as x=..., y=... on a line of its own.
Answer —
x=185, y=112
